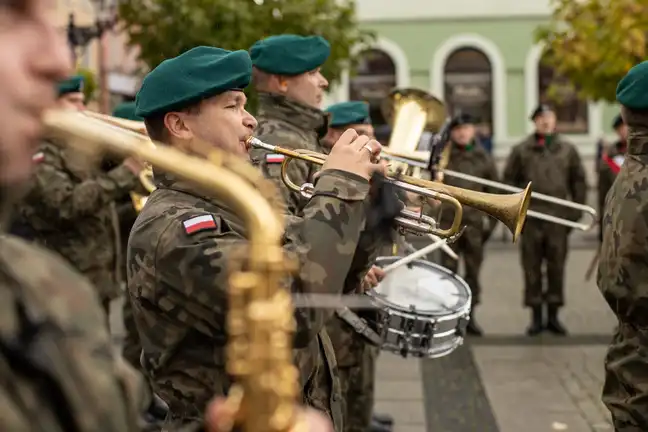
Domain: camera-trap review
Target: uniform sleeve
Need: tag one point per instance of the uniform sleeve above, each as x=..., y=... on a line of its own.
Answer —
x=192, y=269
x=59, y=196
x=577, y=179
x=605, y=180
x=513, y=173
x=298, y=171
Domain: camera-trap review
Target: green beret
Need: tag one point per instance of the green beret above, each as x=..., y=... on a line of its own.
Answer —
x=191, y=77
x=632, y=91
x=71, y=85
x=348, y=113
x=126, y=111
x=290, y=54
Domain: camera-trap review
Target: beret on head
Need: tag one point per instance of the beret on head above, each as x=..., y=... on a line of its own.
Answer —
x=73, y=84
x=194, y=75
x=289, y=54
x=632, y=91
x=461, y=119
x=541, y=109
x=126, y=111
x=349, y=113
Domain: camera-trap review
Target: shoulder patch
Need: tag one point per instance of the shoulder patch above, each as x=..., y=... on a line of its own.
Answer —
x=38, y=157
x=275, y=158
x=200, y=223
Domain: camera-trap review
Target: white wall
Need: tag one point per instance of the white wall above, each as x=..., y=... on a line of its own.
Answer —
x=369, y=10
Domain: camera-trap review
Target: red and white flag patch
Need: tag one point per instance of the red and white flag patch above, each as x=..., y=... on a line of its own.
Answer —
x=199, y=223
x=275, y=158
x=38, y=157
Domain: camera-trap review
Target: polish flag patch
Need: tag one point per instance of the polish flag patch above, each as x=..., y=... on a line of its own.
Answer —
x=38, y=157
x=275, y=158
x=199, y=223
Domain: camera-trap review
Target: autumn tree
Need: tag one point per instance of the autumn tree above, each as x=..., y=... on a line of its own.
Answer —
x=593, y=43
x=166, y=28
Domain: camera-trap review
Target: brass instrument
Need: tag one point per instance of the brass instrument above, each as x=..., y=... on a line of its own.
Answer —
x=418, y=161
x=146, y=176
x=260, y=319
x=509, y=209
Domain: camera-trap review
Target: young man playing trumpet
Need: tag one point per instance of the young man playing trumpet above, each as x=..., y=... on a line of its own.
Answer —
x=182, y=241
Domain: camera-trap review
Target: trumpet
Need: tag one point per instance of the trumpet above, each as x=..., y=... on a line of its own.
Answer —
x=260, y=319
x=146, y=175
x=421, y=162
x=509, y=209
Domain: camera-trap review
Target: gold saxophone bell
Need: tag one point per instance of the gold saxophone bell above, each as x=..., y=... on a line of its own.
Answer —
x=146, y=175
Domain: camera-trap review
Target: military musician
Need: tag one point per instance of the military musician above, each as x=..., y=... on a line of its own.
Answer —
x=554, y=166
x=623, y=271
x=466, y=155
x=182, y=240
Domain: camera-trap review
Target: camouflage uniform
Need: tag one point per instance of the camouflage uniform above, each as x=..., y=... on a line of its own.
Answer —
x=293, y=126
x=623, y=281
x=70, y=209
x=555, y=169
x=178, y=285
x=472, y=160
x=609, y=166
x=57, y=364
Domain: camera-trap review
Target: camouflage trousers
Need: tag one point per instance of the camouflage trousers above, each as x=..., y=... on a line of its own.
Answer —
x=358, y=390
x=625, y=391
x=132, y=347
x=544, y=243
x=470, y=248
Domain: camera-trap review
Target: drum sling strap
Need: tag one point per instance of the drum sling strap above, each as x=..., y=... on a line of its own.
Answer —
x=359, y=325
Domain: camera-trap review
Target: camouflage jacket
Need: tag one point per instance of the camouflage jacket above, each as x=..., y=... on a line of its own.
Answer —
x=622, y=271
x=474, y=161
x=555, y=169
x=177, y=281
x=70, y=209
x=294, y=126
x=609, y=166
x=59, y=371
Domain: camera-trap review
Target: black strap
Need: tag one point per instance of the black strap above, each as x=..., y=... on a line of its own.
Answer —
x=359, y=325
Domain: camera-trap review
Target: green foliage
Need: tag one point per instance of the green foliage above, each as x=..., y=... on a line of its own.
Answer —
x=166, y=28
x=89, y=83
x=593, y=43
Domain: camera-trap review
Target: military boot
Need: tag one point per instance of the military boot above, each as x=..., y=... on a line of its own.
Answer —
x=473, y=328
x=536, y=326
x=384, y=419
x=379, y=427
x=553, y=323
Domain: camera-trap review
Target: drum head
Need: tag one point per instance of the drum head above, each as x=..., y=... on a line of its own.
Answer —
x=423, y=287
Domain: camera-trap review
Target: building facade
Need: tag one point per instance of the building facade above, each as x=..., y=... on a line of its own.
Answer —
x=479, y=58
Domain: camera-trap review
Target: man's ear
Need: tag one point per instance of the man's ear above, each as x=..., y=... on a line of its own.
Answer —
x=176, y=125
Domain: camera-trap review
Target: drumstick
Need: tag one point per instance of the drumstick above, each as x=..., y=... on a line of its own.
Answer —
x=409, y=258
x=445, y=248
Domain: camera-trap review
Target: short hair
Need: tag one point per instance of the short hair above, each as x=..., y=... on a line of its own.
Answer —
x=156, y=129
x=634, y=117
x=260, y=79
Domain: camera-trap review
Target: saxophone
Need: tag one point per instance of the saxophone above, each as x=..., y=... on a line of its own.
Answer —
x=260, y=318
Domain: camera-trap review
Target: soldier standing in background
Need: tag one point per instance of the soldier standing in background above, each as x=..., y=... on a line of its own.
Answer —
x=623, y=272
x=554, y=166
x=70, y=93
x=610, y=163
x=70, y=209
x=291, y=88
x=469, y=157
x=356, y=354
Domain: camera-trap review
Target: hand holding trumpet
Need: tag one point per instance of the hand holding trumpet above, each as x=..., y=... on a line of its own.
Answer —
x=355, y=154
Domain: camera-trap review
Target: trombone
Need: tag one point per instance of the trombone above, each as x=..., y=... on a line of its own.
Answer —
x=421, y=162
x=146, y=175
x=509, y=209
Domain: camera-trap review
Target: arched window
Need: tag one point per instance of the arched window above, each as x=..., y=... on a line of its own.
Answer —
x=468, y=87
x=571, y=110
x=375, y=77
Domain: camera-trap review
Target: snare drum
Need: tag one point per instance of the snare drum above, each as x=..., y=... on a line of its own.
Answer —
x=423, y=309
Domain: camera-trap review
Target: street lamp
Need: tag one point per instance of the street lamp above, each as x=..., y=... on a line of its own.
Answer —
x=81, y=36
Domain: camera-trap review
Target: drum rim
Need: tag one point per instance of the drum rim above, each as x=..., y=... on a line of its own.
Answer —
x=458, y=312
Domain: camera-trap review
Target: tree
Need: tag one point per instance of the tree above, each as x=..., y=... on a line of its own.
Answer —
x=165, y=28
x=593, y=43
x=89, y=83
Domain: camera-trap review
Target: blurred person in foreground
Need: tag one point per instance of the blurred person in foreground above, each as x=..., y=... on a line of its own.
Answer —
x=623, y=268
